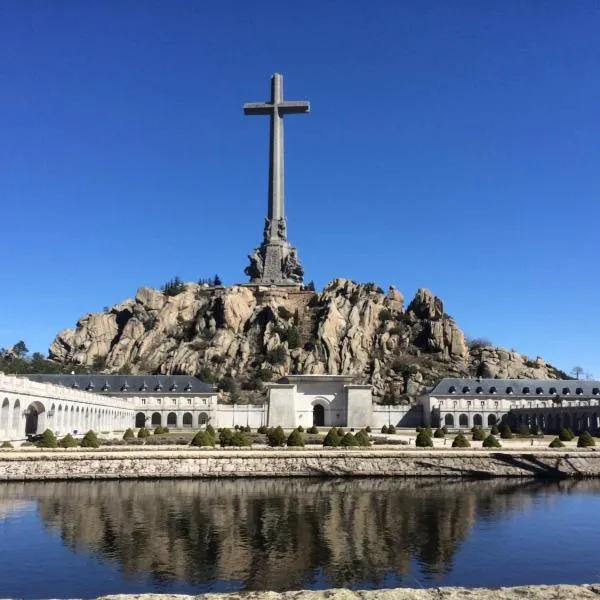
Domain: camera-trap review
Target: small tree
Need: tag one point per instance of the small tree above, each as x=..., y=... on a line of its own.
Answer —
x=439, y=433
x=577, y=371
x=90, y=440
x=585, y=440
x=276, y=437
x=423, y=440
x=506, y=433
x=332, y=438
x=348, y=440
x=67, y=442
x=20, y=349
x=143, y=433
x=48, y=440
x=556, y=443
x=491, y=442
x=296, y=439
x=128, y=435
x=479, y=435
x=460, y=441
x=564, y=435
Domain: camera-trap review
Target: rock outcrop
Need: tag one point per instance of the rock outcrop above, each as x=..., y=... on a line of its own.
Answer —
x=249, y=335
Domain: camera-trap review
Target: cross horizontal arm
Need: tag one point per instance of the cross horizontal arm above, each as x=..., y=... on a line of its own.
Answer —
x=258, y=108
x=299, y=106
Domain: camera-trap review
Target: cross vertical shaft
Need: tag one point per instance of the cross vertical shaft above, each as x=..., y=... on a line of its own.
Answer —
x=276, y=210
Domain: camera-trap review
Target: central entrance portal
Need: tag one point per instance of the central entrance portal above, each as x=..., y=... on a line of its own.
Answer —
x=318, y=415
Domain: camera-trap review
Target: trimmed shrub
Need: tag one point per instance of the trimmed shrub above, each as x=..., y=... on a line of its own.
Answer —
x=423, y=440
x=211, y=431
x=348, y=440
x=362, y=438
x=460, y=441
x=314, y=429
x=296, y=439
x=534, y=430
x=368, y=429
x=246, y=429
x=300, y=428
x=506, y=433
x=48, y=440
x=239, y=440
x=341, y=432
x=491, y=442
x=479, y=435
x=262, y=429
x=90, y=440
x=384, y=429
x=203, y=438
x=225, y=437
x=276, y=437
x=585, y=440
x=565, y=435
x=391, y=429
x=445, y=430
x=556, y=443
x=332, y=438
x=165, y=430
x=143, y=433
x=158, y=430
x=6, y=445
x=494, y=430
x=524, y=430
x=439, y=433
x=128, y=435
x=67, y=442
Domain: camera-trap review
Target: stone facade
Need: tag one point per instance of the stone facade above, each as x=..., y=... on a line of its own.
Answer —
x=29, y=407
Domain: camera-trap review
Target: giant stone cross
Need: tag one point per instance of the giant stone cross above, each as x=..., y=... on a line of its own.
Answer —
x=275, y=261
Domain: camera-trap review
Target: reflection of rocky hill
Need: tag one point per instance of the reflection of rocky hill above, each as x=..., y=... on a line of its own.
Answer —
x=272, y=534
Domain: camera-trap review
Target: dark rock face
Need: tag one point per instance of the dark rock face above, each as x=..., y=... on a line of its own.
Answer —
x=256, y=334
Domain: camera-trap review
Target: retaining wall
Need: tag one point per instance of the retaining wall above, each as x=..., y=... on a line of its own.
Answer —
x=135, y=464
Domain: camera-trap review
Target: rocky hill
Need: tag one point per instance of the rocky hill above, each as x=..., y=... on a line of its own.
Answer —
x=241, y=336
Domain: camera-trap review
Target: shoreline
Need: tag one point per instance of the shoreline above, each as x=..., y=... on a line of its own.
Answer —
x=541, y=592
x=36, y=465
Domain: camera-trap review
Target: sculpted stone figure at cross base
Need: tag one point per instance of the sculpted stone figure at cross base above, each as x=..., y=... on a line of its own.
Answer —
x=275, y=261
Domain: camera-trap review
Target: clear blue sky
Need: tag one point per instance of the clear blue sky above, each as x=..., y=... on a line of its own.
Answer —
x=451, y=145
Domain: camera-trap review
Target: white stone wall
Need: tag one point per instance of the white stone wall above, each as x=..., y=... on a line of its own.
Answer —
x=460, y=412
x=253, y=415
x=31, y=406
x=175, y=411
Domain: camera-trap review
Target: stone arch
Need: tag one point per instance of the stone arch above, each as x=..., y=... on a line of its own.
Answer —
x=140, y=420
x=187, y=419
x=566, y=420
x=4, y=415
x=156, y=419
x=35, y=420
x=463, y=420
x=171, y=420
x=202, y=419
x=16, y=415
x=477, y=420
x=318, y=415
x=491, y=420
x=449, y=420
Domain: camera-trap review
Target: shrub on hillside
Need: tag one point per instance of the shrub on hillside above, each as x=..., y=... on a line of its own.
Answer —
x=423, y=440
x=348, y=440
x=203, y=438
x=479, y=435
x=276, y=437
x=90, y=440
x=556, y=443
x=506, y=433
x=439, y=433
x=384, y=429
x=67, y=442
x=565, y=435
x=585, y=440
x=332, y=439
x=460, y=441
x=143, y=433
x=128, y=435
x=491, y=442
x=296, y=439
x=48, y=440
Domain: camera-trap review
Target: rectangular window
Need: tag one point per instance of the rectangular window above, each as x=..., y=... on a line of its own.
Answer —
x=143, y=400
x=189, y=400
x=158, y=401
x=174, y=401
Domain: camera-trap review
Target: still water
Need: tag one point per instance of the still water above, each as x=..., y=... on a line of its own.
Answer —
x=86, y=539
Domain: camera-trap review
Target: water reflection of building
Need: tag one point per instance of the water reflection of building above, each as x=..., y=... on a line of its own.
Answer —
x=272, y=534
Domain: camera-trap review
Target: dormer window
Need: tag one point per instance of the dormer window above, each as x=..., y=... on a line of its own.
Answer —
x=174, y=387
x=466, y=389
x=509, y=390
x=452, y=390
x=493, y=389
x=579, y=391
x=90, y=387
x=596, y=391
x=526, y=390
x=539, y=390
x=105, y=387
x=552, y=390
x=124, y=387
x=566, y=391
x=158, y=387
x=479, y=390
x=144, y=387
x=188, y=387
x=76, y=385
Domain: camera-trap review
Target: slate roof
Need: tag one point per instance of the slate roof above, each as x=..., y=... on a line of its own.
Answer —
x=119, y=385
x=451, y=386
